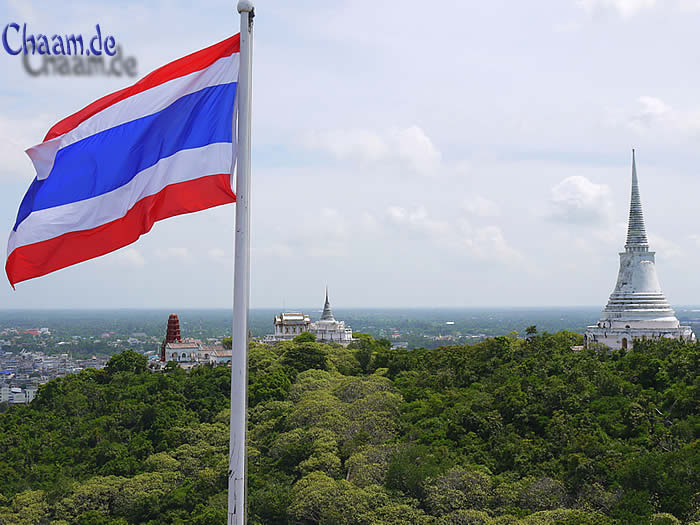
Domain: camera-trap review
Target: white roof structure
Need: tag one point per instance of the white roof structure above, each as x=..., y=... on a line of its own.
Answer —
x=292, y=319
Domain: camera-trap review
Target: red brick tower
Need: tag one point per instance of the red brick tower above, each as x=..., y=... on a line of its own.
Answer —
x=172, y=335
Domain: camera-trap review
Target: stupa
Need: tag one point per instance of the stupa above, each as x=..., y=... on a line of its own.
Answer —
x=328, y=330
x=637, y=307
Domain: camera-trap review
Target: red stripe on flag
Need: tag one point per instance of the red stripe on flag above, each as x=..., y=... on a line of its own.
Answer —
x=41, y=258
x=179, y=68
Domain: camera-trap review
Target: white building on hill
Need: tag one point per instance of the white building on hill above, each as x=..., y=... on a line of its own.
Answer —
x=328, y=330
x=637, y=307
x=287, y=327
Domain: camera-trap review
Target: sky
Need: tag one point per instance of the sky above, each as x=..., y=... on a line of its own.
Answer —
x=405, y=154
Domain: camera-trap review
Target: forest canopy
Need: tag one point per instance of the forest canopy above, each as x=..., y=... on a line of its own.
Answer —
x=505, y=431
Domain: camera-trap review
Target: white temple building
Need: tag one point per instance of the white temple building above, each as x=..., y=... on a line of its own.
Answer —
x=287, y=327
x=328, y=330
x=637, y=307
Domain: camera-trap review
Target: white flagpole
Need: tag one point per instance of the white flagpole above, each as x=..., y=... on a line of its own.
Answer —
x=237, y=475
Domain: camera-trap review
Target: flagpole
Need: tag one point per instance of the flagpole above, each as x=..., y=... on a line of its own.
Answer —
x=237, y=474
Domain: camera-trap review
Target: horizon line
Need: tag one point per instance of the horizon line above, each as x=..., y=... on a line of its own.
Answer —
x=313, y=308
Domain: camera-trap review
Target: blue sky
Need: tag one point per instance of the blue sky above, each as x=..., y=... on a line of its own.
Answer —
x=474, y=154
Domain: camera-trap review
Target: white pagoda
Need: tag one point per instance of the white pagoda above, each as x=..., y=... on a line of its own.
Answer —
x=637, y=307
x=328, y=330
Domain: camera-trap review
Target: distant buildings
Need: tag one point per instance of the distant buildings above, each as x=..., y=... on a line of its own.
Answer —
x=189, y=352
x=327, y=329
x=16, y=395
x=185, y=352
x=23, y=372
x=637, y=307
x=287, y=327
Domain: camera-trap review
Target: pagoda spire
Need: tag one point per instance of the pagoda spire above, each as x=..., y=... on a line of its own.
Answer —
x=636, y=233
x=637, y=307
x=327, y=314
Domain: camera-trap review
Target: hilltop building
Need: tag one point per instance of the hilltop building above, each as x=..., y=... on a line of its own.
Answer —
x=637, y=307
x=328, y=330
x=287, y=327
x=189, y=352
x=15, y=395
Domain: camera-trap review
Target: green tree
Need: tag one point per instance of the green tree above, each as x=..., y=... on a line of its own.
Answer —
x=305, y=337
x=458, y=489
x=305, y=356
x=127, y=361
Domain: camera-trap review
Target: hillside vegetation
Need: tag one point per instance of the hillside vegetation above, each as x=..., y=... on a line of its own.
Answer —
x=507, y=431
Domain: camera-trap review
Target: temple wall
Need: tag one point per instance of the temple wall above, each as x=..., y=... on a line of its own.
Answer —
x=614, y=339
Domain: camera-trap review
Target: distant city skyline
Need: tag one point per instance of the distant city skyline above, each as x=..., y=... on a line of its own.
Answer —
x=485, y=166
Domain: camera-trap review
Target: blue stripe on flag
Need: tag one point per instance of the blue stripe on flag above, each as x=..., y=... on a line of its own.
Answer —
x=107, y=160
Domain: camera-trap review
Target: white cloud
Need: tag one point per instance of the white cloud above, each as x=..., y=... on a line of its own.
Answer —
x=667, y=248
x=23, y=9
x=331, y=225
x=577, y=200
x=276, y=250
x=480, y=206
x=406, y=148
x=612, y=234
x=625, y=8
x=416, y=149
x=655, y=122
x=174, y=253
x=323, y=232
x=216, y=254
x=417, y=221
x=484, y=243
x=368, y=222
x=360, y=145
x=630, y=8
x=650, y=111
x=326, y=235
x=489, y=244
x=130, y=257
x=689, y=5
x=653, y=115
x=331, y=248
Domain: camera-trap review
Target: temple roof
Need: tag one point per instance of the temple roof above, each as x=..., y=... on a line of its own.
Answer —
x=327, y=314
x=636, y=233
x=182, y=346
x=292, y=318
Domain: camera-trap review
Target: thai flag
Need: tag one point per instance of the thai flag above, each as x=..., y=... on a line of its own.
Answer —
x=106, y=174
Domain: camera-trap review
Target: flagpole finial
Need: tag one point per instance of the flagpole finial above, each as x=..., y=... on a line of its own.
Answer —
x=245, y=6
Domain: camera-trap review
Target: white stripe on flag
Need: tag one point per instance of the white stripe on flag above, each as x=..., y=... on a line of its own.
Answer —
x=184, y=165
x=223, y=71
